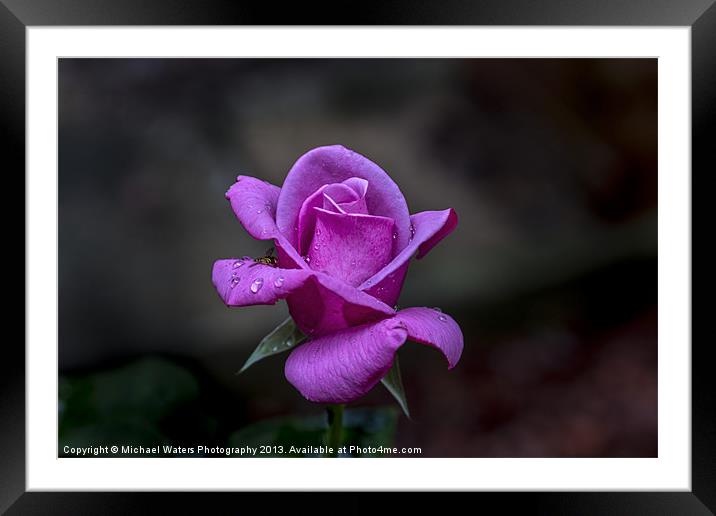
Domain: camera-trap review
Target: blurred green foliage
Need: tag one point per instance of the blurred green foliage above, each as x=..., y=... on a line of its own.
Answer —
x=364, y=427
x=123, y=406
x=142, y=404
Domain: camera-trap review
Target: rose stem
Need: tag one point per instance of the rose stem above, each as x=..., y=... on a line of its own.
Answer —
x=335, y=429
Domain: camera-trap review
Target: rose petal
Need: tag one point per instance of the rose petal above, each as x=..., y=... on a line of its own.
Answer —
x=438, y=224
x=254, y=203
x=345, y=365
x=434, y=328
x=325, y=304
x=357, y=205
x=388, y=288
x=333, y=164
x=318, y=302
x=335, y=197
x=429, y=228
x=243, y=282
x=350, y=247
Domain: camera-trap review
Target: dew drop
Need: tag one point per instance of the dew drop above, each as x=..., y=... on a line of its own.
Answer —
x=256, y=285
x=234, y=281
x=437, y=309
x=279, y=282
x=412, y=231
x=237, y=264
x=315, y=247
x=274, y=349
x=259, y=211
x=442, y=318
x=395, y=235
x=318, y=231
x=307, y=259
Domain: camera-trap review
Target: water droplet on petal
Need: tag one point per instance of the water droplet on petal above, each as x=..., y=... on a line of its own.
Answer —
x=234, y=281
x=256, y=285
x=318, y=231
x=237, y=264
x=412, y=231
x=395, y=235
x=279, y=281
x=442, y=318
x=315, y=247
x=307, y=259
x=437, y=309
x=259, y=211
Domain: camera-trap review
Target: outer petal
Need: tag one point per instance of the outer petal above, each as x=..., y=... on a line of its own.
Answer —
x=429, y=228
x=333, y=164
x=432, y=226
x=318, y=302
x=343, y=366
x=434, y=328
x=254, y=203
x=350, y=247
x=242, y=282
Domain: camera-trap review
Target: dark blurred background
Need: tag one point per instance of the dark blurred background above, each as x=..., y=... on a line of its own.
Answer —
x=551, y=165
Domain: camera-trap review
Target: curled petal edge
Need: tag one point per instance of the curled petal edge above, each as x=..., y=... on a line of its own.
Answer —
x=343, y=366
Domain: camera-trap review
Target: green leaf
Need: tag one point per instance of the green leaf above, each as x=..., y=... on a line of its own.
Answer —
x=361, y=427
x=150, y=388
x=125, y=405
x=284, y=337
x=394, y=383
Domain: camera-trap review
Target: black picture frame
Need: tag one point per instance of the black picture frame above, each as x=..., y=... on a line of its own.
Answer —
x=17, y=15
